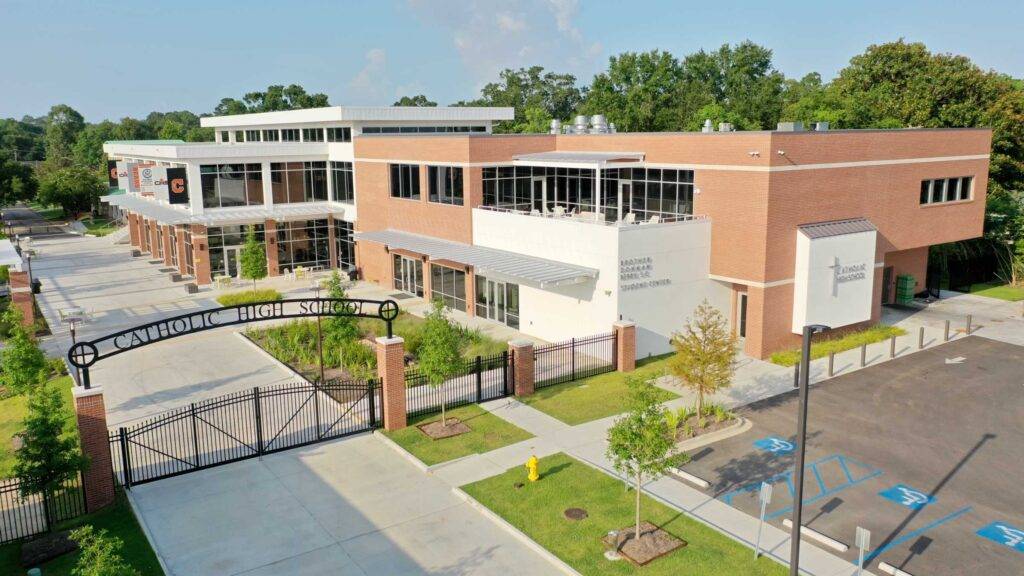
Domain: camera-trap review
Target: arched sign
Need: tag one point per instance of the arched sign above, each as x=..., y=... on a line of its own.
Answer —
x=86, y=353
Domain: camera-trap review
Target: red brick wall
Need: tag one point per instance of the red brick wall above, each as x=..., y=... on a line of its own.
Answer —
x=201, y=254
x=98, y=478
x=391, y=371
x=270, y=239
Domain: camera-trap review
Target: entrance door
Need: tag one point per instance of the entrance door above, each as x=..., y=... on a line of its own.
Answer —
x=742, y=310
x=887, y=285
x=498, y=301
x=408, y=275
x=625, y=198
x=538, y=193
x=231, y=258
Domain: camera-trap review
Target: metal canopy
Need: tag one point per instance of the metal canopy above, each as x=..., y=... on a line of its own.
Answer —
x=148, y=208
x=490, y=262
x=579, y=159
x=220, y=216
x=837, y=228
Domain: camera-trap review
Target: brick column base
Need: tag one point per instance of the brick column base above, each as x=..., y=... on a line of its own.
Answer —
x=21, y=297
x=98, y=478
x=522, y=366
x=391, y=370
x=625, y=346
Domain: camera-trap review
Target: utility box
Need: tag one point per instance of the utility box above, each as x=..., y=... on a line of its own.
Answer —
x=905, y=289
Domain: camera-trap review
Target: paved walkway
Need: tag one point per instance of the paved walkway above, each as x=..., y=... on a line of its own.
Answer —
x=348, y=507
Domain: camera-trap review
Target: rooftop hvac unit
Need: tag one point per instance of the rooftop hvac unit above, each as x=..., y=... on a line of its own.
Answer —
x=598, y=124
x=556, y=127
x=790, y=126
x=708, y=127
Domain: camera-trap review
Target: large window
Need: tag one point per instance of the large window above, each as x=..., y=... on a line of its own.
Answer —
x=225, y=244
x=227, y=185
x=342, y=183
x=946, y=190
x=224, y=137
x=303, y=243
x=298, y=181
x=339, y=134
x=449, y=286
x=290, y=135
x=190, y=266
x=408, y=274
x=313, y=134
x=405, y=181
x=252, y=135
x=271, y=135
x=421, y=129
x=345, y=244
x=445, y=184
x=239, y=135
x=655, y=191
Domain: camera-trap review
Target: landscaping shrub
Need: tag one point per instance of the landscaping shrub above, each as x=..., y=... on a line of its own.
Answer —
x=249, y=297
x=822, y=348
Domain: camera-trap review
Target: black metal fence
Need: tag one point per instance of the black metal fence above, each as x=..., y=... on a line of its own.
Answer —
x=23, y=517
x=479, y=380
x=573, y=359
x=243, y=425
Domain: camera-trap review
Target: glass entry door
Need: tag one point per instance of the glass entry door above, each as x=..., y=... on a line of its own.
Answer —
x=498, y=301
x=538, y=194
x=408, y=275
x=231, y=266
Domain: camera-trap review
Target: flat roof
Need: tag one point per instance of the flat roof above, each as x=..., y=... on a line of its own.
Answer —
x=491, y=262
x=363, y=114
x=837, y=228
x=574, y=159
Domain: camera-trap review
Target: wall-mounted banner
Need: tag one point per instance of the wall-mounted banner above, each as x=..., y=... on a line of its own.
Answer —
x=177, y=186
x=123, y=181
x=112, y=173
x=153, y=181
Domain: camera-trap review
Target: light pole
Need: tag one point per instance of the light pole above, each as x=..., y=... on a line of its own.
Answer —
x=73, y=321
x=319, y=332
x=801, y=445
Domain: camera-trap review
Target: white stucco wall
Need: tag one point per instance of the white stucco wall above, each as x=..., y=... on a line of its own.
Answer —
x=834, y=280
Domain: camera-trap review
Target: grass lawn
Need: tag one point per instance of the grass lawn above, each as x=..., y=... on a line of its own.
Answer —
x=487, y=433
x=118, y=520
x=99, y=226
x=595, y=397
x=536, y=510
x=1000, y=291
x=47, y=212
x=249, y=297
x=12, y=412
x=821, y=348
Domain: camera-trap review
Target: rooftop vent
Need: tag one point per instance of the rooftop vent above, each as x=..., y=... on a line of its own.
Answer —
x=708, y=127
x=819, y=126
x=556, y=127
x=725, y=127
x=790, y=126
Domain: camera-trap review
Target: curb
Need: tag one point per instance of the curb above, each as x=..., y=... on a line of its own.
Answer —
x=739, y=427
x=270, y=357
x=402, y=451
x=515, y=532
x=890, y=569
x=141, y=521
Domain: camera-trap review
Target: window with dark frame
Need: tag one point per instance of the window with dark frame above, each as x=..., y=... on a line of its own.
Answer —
x=271, y=136
x=239, y=136
x=449, y=286
x=945, y=190
x=445, y=184
x=313, y=134
x=252, y=135
x=345, y=244
x=225, y=137
x=303, y=243
x=405, y=181
x=227, y=185
x=289, y=134
x=343, y=134
x=293, y=182
x=342, y=182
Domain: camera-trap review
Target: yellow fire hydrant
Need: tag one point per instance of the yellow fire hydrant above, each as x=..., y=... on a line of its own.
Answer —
x=531, y=467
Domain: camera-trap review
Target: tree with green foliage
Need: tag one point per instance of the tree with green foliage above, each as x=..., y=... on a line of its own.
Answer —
x=49, y=454
x=88, y=149
x=740, y=78
x=23, y=365
x=133, y=129
x=63, y=124
x=74, y=189
x=556, y=94
x=339, y=329
x=22, y=139
x=100, y=554
x=274, y=98
x=705, y=357
x=638, y=93
x=252, y=259
x=639, y=442
x=419, y=100
x=17, y=180
x=439, y=354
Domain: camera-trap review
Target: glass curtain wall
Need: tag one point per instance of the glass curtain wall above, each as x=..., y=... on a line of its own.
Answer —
x=226, y=185
x=449, y=286
x=303, y=243
x=224, y=241
x=342, y=181
x=345, y=245
x=294, y=182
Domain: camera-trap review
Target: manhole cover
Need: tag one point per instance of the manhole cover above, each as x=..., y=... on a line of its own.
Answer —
x=575, y=513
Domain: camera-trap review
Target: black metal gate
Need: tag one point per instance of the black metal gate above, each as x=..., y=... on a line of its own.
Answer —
x=243, y=425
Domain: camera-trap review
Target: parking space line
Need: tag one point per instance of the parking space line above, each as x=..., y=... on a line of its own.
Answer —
x=914, y=534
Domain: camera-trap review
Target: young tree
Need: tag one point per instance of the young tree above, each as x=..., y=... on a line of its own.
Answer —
x=74, y=189
x=439, y=355
x=49, y=454
x=339, y=329
x=253, y=258
x=639, y=442
x=22, y=364
x=101, y=554
x=705, y=354
x=63, y=123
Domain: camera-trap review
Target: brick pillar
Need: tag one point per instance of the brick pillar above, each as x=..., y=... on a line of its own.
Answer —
x=470, y=292
x=179, y=238
x=154, y=239
x=201, y=255
x=270, y=241
x=625, y=346
x=391, y=370
x=428, y=287
x=133, y=230
x=522, y=366
x=98, y=478
x=168, y=240
x=21, y=297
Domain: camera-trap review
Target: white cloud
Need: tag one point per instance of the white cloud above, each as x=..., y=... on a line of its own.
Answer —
x=370, y=84
x=491, y=35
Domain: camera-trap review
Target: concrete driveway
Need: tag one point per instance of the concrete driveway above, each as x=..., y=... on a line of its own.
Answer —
x=348, y=507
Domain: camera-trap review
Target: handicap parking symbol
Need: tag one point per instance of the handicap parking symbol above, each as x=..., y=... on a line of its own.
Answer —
x=1004, y=534
x=775, y=445
x=906, y=496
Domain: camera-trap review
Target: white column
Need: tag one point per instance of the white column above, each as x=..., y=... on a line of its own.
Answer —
x=268, y=190
x=330, y=182
x=597, y=193
x=195, y=189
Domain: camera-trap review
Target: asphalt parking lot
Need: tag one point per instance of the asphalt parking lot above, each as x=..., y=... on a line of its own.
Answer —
x=925, y=451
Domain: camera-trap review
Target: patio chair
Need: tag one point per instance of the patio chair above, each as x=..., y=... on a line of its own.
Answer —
x=630, y=218
x=655, y=219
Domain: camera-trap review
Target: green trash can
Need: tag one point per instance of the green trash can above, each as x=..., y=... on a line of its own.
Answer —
x=905, y=289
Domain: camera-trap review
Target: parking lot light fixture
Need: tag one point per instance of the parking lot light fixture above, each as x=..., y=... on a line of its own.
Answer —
x=801, y=445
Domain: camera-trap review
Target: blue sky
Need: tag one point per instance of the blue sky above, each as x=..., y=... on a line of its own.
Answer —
x=115, y=59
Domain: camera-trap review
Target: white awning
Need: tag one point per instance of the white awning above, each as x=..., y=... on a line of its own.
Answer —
x=490, y=262
x=591, y=160
x=9, y=256
x=149, y=208
x=166, y=214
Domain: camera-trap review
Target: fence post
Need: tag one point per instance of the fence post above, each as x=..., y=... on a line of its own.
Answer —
x=98, y=478
x=126, y=461
x=625, y=345
x=831, y=363
x=259, y=420
x=572, y=356
x=522, y=366
x=504, y=372
x=920, y=338
x=391, y=371
x=195, y=435
x=371, y=400
x=479, y=382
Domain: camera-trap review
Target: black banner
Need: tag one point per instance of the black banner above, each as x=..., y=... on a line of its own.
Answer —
x=177, y=186
x=112, y=173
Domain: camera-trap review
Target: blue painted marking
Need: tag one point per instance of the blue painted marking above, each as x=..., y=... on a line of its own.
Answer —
x=874, y=553
x=846, y=470
x=1004, y=534
x=777, y=446
x=906, y=496
x=817, y=476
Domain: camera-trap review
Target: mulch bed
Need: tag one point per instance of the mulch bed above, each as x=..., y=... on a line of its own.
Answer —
x=709, y=426
x=653, y=543
x=436, y=431
x=47, y=548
